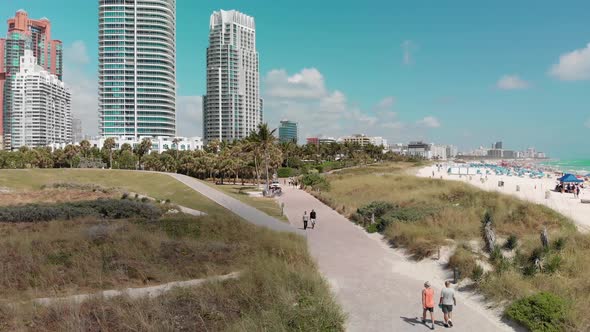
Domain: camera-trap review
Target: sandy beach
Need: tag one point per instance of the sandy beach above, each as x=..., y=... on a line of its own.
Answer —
x=532, y=190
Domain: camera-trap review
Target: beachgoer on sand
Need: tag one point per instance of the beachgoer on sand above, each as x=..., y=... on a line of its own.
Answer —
x=312, y=217
x=428, y=303
x=446, y=302
x=305, y=219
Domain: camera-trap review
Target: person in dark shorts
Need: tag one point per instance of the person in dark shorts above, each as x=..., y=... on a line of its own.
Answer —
x=447, y=300
x=428, y=303
x=312, y=218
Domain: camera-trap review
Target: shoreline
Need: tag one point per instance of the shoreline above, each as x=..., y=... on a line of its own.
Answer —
x=529, y=189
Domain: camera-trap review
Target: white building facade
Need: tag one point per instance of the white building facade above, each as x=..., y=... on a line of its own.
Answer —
x=159, y=144
x=41, y=112
x=232, y=107
x=137, y=68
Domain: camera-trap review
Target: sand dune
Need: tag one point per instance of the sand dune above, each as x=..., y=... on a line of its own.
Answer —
x=532, y=190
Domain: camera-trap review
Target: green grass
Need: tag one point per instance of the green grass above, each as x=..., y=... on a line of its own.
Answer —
x=267, y=205
x=159, y=186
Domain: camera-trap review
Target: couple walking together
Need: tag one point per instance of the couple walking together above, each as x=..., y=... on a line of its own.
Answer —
x=306, y=219
x=446, y=302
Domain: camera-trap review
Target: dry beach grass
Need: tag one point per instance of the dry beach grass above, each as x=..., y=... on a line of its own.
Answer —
x=430, y=213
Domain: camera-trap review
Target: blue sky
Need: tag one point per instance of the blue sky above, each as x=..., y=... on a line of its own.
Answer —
x=460, y=72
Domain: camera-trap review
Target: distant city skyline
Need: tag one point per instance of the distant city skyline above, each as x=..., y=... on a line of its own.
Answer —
x=402, y=72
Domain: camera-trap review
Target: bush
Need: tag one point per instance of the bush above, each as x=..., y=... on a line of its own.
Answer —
x=553, y=263
x=286, y=172
x=477, y=273
x=511, y=242
x=559, y=244
x=316, y=181
x=463, y=261
x=543, y=312
x=105, y=208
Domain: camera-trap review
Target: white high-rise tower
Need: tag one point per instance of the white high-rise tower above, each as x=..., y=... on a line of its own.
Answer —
x=137, y=67
x=232, y=107
x=41, y=112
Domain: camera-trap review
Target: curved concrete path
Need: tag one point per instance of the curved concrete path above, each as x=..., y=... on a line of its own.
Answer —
x=243, y=210
x=377, y=286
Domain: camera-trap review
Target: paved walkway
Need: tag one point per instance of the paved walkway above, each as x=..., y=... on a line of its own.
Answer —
x=243, y=210
x=377, y=286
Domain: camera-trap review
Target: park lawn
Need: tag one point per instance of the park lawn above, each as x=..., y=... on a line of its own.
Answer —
x=159, y=186
x=267, y=205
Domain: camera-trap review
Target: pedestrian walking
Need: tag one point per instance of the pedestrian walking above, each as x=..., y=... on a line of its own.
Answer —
x=312, y=217
x=305, y=219
x=447, y=300
x=428, y=303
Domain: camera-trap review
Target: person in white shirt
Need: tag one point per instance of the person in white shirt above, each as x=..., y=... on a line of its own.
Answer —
x=447, y=300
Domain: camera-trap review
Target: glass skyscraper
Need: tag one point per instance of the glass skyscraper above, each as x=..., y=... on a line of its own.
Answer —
x=232, y=107
x=137, y=67
x=288, y=131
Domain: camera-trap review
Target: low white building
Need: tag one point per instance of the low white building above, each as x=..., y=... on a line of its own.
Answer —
x=362, y=140
x=41, y=112
x=159, y=144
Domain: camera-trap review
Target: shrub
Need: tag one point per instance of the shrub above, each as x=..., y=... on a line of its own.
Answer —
x=553, y=263
x=496, y=255
x=286, y=172
x=543, y=312
x=105, y=208
x=477, y=273
x=511, y=242
x=125, y=196
x=316, y=181
x=463, y=261
x=559, y=244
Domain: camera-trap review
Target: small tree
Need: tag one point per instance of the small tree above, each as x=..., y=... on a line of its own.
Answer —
x=489, y=236
x=143, y=148
x=109, y=145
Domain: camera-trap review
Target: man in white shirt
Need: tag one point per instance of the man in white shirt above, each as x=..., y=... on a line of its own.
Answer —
x=447, y=300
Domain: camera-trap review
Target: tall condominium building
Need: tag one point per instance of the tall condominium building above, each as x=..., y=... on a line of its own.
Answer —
x=232, y=107
x=24, y=33
x=77, y=135
x=288, y=131
x=137, y=68
x=41, y=112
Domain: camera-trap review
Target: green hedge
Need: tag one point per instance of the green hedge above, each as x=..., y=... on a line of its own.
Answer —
x=286, y=172
x=101, y=208
x=542, y=312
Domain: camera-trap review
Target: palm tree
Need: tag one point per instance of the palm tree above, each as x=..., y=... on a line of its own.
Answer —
x=109, y=145
x=175, y=141
x=143, y=148
x=264, y=138
x=71, y=151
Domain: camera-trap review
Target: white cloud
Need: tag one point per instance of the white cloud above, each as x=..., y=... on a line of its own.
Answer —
x=76, y=53
x=189, y=115
x=573, y=66
x=512, y=82
x=308, y=84
x=304, y=97
x=83, y=86
x=386, y=103
x=429, y=122
x=408, y=47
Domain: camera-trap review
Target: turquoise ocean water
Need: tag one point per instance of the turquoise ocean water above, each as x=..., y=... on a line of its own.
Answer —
x=578, y=166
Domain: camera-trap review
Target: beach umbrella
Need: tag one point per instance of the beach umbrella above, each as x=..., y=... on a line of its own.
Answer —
x=569, y=178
